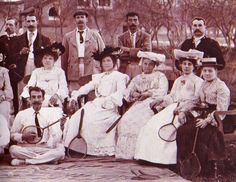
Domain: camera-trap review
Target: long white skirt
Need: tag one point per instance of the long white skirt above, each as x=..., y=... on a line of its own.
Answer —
x=150, y=147
x=95, y=123
x=129, y=126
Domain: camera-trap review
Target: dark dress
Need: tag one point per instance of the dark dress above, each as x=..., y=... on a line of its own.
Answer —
x=210, y=142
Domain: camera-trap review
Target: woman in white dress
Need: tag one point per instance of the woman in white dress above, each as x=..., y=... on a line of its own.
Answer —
x=142, y=90
x=50, y=78
x=100, y=113
x=150, y=147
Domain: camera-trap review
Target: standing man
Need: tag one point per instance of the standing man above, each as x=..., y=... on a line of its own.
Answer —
x=8, y=41
x=80, y=44
x=199, y=41
x=27, y=43
x=49, y=148
x=131, y=42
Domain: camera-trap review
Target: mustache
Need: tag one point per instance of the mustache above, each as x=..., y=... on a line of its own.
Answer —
x=30, y=26
x=80, y=22
x=7, y=29
x=36, y=103
x=133, y=25
x=197, y=30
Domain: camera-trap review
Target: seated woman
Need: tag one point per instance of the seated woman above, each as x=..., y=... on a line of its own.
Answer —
x=215, y=95
x=6, y=94
x=4, y=133
x=100, y=113
x=49, y=78
x=142, y=90
x=150, y=147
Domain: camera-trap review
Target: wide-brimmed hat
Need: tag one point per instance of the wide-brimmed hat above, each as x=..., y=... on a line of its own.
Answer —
x=152, y=56
x=191, y=55
x=108, y=51
x=209, y=62
x=56, y=49
x=81, y=12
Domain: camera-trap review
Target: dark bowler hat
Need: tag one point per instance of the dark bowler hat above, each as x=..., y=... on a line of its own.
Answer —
x=80, y=12
x=210, y=62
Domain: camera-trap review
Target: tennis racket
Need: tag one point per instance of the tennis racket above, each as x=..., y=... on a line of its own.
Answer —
x=35, y=133
x=191, y=167
x=168, y=131
x=78, y=146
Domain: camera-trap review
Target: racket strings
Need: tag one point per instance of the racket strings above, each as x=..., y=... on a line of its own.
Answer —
x=167, y=132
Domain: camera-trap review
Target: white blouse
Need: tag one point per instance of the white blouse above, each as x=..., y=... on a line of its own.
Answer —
x=51, y=81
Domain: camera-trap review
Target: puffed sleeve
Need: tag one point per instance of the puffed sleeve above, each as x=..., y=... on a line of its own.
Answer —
x=131, y=89
x=7, y=86
x=84, y=90
x=223, y=101
x=117, y=97
x=62, y=85
x=160, y=86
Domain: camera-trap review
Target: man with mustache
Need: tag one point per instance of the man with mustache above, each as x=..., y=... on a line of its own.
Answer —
x=131, y=42
x=80, y=44
x=49, y=148
x=201, y=42
x=26, y=60
x=8, y=41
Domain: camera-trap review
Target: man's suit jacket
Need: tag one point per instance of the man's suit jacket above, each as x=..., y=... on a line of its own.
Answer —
x=210, y=47
x=22, y=41
x=9, y=45
x=142, y=42
x=69, y=60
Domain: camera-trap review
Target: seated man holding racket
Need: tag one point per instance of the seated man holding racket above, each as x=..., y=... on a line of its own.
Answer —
x=41, y=144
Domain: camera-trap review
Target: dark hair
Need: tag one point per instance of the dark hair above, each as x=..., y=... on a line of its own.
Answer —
x=131, y=14
x=36, y=89
x=200, y=18
x=12, y=18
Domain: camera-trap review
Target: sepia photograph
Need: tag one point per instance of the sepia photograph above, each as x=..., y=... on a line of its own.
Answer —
x=118, y=90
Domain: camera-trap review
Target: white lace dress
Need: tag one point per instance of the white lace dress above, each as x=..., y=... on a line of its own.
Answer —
x=150, y=147
x=99, y=114
x=140, y=112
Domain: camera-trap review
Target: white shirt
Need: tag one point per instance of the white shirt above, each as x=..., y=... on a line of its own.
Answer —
x=45, y=117
x=197, y=40
x=134, y=38
x=80, y=46
x=31, y=47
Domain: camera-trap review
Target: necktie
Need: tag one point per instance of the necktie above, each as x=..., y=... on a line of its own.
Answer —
x=81, y=36
x=37, y=124
x=31, y=34
x=132, y=40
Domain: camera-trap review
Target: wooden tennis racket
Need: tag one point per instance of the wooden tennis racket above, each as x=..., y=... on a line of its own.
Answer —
x=37, y=132
x=191, y=167
x=78, y=146
x=168, y=131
